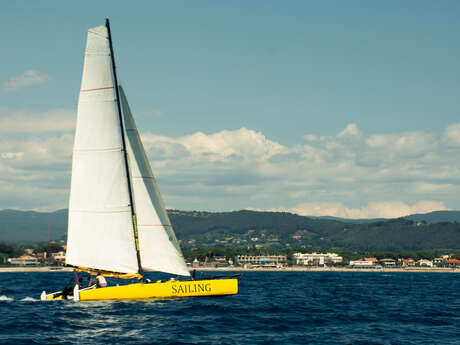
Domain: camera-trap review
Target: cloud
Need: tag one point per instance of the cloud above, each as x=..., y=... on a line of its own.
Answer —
x=243, y=168
x=310, y=137
x=35, y=158
x=26, y=79
x=243, y=143
x=350, y=131
x=222, y=146
x=27, y=121
x=35, y=172
x=157, y=113
x=380, y=174
x=452, y=134
x=385, y=209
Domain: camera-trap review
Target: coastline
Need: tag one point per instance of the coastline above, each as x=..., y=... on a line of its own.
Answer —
x=333, y=269
x=241, y=269
x=35, y=269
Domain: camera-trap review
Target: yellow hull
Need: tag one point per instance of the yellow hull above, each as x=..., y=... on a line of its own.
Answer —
x=169, y=289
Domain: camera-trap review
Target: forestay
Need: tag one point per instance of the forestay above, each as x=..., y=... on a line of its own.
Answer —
x=159, y=249
x=100, y=229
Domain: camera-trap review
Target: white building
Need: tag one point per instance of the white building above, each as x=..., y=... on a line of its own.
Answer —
x=261, y=260
x=388, y=262
x=59, y=257
x=24, y=260
x=362, y=264
x=424, y=263
x=316, y=259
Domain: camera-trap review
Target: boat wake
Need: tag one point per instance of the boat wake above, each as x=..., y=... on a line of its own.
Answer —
x=29, y=299
x=4, y=298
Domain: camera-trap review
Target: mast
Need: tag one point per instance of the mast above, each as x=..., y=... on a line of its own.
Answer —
x=122, y=129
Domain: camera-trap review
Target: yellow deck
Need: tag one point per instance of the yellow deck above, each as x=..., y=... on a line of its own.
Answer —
x=169, y=289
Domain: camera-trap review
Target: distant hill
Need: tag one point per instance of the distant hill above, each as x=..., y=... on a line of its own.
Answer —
x=352, y=220
x=430, y=218
x=279, y=230
x=275, y=230
x=31, y=227
x=436, y=217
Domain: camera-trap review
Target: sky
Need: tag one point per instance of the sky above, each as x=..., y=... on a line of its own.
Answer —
x=338, y=108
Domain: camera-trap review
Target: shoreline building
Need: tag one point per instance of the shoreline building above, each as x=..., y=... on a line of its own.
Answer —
x=275, y=261
x=424, y=263
x=24, y=260
x=316, y=259
x=388, y=262
x=365, y=263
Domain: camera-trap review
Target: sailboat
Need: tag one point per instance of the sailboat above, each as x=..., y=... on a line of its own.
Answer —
x=118, y=226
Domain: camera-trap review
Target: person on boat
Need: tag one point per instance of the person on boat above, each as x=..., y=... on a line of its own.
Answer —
x=68, y=290
x=100, y=280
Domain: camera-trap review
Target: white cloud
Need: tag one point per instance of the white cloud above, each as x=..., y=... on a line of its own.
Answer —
x=26, y=79
x=243, y=144
x=349, y=131
x=157, y=113
x=421, y=187
x=243, y=168
x=385, y=209
x=35, y=172
x=452, y=134
x=11, y=155
x=384, y=174
x=27, y=121
x=310, y=137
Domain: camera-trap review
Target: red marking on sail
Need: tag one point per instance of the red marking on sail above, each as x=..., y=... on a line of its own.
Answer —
x=99, y=150
x=101, y=88
x=102, y=211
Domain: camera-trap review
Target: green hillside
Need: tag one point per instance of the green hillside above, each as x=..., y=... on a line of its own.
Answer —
x=436, y=217
x=277, y=230
x=31, y=227
x=273, y=230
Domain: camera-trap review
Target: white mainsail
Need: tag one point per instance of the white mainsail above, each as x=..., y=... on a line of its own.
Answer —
x=159, y=249
x=100, y=229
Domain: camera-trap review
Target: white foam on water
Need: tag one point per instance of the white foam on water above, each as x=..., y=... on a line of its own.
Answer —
x=29, y=299
x=5, y=298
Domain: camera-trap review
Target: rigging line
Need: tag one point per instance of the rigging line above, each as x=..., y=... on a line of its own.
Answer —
x=130, y=191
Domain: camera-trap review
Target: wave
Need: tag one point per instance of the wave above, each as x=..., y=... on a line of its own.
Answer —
x=5, y=298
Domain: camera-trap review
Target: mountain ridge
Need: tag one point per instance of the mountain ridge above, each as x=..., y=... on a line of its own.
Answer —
x=275, y=230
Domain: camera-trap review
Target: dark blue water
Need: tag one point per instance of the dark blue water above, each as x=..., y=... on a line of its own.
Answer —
x=271, y=308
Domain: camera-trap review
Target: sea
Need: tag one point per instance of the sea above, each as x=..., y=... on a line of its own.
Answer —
x=270, y=308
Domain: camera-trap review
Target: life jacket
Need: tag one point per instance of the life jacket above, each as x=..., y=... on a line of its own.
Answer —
x=101, y=282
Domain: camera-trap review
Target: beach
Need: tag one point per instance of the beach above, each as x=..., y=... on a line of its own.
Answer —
x=242, y=269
